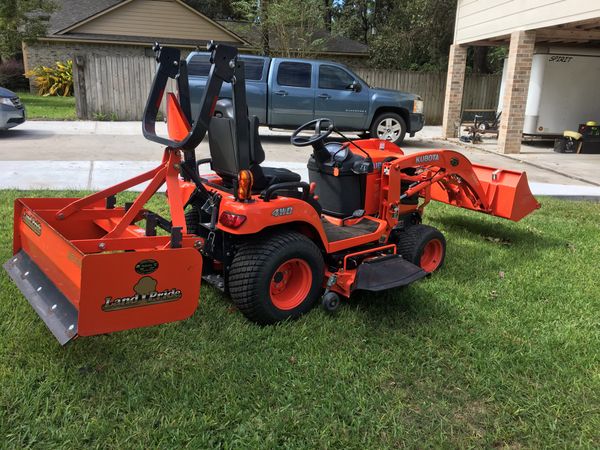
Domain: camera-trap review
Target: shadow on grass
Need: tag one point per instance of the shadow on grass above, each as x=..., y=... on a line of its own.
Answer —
x=402, y=307
x=507, y=233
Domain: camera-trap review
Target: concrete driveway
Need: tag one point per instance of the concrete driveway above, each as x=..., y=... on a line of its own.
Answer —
x=91, y=155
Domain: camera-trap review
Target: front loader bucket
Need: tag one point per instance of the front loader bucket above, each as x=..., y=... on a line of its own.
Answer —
x=81, y=284
x=504, y=193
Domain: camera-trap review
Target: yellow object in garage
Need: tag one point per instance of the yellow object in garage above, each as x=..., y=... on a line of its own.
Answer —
x=572, y=134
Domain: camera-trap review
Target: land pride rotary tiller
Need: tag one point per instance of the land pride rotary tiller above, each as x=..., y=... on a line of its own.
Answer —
x=274, y=243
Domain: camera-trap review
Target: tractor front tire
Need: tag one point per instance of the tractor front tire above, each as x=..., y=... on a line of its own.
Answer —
x=276, y=277
x=424, y=246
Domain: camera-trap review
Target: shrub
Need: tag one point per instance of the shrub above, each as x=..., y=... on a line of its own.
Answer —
x=55, y=80
x=11, y=75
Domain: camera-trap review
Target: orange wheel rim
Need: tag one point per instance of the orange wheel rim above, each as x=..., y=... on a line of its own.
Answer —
x=432, y=255
x=290, y=284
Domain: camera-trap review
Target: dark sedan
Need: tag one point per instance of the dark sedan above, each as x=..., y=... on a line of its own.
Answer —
x=12, y=111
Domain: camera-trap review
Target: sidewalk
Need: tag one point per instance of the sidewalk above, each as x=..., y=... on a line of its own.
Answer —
x=94, y=155
x=95, y=175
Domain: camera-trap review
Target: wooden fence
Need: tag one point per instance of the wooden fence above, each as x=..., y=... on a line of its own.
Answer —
x=481, y=91
x=116, y=87
x=113, y=87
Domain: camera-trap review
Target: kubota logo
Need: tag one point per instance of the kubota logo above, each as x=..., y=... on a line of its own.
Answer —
x=427, y=158
x=145, y=295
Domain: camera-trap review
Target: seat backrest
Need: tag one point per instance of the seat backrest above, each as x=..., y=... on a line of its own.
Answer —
x=257, y=152
x=224, y=151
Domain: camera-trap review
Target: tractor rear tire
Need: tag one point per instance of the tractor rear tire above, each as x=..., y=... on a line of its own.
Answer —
x=276, y=277
x=192, y=220
x=424, y=246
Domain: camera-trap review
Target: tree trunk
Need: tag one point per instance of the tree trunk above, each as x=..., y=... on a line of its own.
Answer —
x=264, y=27
x=327, y=14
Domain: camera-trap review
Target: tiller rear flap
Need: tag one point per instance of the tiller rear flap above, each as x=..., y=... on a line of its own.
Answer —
x=449, y=177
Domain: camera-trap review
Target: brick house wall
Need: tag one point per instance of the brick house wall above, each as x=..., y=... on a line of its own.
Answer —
x=44, y=53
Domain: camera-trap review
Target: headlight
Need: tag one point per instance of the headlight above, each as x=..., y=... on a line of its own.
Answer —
x=6, y=101
x=418, y=106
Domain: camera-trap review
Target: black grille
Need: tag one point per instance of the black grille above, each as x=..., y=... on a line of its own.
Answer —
x=17, y=102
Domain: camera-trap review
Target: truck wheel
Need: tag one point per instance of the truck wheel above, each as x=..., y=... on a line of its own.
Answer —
x=389, y=126
x=277, y=277
x=424, y=246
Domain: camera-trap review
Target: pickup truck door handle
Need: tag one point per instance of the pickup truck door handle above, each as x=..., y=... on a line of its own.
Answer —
x=325, y=96
x=282, y=93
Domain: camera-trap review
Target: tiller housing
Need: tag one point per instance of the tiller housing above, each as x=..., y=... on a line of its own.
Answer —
x=274, y=243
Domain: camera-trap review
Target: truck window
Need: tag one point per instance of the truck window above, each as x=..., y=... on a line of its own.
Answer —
x=331, y=77
x=253, y=68
x=294, y=74
x=199, y=66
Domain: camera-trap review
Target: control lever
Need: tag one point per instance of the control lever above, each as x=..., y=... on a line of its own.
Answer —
x=357, y=214
x=362, y=167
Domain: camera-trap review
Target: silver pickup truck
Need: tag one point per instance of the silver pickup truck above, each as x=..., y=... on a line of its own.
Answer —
x=286, y=93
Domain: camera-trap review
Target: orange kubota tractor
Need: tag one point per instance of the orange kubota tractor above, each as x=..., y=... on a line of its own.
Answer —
x=274, y=243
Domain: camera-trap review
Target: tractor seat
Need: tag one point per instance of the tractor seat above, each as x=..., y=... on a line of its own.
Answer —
x=226, y=156
x=275, y=175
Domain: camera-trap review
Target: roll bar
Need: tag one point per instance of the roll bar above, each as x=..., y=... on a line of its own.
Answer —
x=223, y=65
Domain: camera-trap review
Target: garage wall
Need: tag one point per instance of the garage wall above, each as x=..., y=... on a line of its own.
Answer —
x=481, y=19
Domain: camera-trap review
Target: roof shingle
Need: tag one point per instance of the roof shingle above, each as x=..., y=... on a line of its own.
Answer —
x=70, y=12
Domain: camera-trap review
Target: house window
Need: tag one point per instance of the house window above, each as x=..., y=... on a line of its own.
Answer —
x=294, y=74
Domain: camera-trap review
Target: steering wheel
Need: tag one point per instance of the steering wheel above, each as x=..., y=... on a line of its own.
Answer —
x=323, y=128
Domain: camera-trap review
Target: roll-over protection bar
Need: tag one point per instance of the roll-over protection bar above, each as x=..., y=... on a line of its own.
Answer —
x=223, y=65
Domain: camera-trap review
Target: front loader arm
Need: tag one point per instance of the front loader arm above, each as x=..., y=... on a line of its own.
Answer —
x=449, y=177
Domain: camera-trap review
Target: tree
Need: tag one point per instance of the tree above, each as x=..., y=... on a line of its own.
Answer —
x=263, y=22
x=354, y=19
x=215, y=9
x=328, y=14
x=401, y=34
x=22, y=20
x=290, y=28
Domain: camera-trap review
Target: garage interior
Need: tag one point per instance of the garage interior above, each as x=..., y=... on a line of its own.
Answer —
x=578, y=36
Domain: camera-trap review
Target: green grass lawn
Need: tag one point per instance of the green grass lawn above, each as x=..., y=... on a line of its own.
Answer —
x=48, y=108
x=500, y=349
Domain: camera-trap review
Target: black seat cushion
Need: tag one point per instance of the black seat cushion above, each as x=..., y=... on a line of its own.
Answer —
x=280, y=175
x=273, y=175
